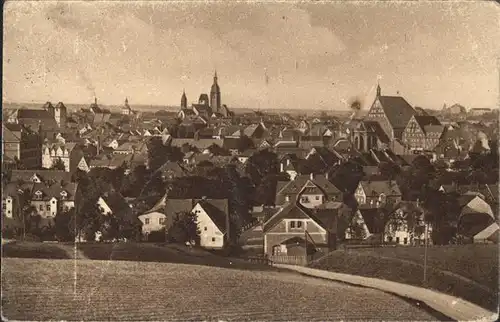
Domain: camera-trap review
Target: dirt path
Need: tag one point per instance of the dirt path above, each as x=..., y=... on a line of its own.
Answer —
x=70, y=251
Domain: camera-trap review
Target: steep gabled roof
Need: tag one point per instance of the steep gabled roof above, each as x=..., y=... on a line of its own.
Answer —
x=9, y=135
x=397, y=110
x=217, y=210
x=289, y=211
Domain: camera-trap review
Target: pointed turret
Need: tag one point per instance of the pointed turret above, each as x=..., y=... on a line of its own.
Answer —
x=215, y=101
x=183, y=99
x=378, y=90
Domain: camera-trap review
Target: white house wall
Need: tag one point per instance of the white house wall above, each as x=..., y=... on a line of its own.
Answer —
x=210, y=235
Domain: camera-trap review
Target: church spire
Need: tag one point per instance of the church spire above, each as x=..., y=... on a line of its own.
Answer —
x=183, y=99
x=215, y=77
x=378, y=90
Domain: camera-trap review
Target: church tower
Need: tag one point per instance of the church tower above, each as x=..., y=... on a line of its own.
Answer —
x=215, y=103
x=378, y=90
x=183, y=99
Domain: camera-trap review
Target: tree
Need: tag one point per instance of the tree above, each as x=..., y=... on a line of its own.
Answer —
x=184, y=229
x=389, y=170
x=159, y=154
x=58, y=164
x=245, y=143
x=62, y=225
x=347, y=176
x=261, y=164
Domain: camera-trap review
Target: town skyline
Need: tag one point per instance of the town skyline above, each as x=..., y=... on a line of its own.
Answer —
x=323, y=56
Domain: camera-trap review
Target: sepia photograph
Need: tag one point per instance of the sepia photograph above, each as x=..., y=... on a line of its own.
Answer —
x=250, y=160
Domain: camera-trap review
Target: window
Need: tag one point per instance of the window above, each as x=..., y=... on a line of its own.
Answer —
x=317, y=197
x=146, y=221
x=397, y=240
x=40, y=207
x=205, y=228
x=47, y=207
x=4, y=206
x=405, y=241
x=389, y=239
x=53, y=201
x=161, y=221
x=299, y=224
x=292, y=224
x=213, y=239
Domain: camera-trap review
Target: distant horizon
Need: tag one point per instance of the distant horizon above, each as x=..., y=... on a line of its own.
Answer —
x=299, y=56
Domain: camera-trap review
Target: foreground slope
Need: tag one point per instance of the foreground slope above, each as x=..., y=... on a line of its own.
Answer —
x=40, y=289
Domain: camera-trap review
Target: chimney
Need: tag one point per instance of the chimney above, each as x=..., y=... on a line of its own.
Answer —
x=311, y=176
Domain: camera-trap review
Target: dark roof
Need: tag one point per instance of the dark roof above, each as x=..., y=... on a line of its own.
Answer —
x=370, y=219
x=10, y=133
x=231, y=143
x=33, y=114
x=426, y=120
x=44, y=175
x=176, y=206
x=397, y=110
x=217, y=210
x=375, y=188
x=374, y=126
x=290, y=211
x=117, y=203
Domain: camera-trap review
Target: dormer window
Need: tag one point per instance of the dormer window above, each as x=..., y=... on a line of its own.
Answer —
x=64, y=194
x=38, y=194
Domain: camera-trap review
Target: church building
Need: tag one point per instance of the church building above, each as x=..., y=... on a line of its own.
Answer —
x=384, y=124
x=207, y=106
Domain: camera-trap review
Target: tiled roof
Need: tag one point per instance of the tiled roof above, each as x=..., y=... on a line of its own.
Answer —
x=201, y=144
x=44, y=175
x=25, y=113
x=374, y=126
x=397, y=110
x=289, y=211
x=217, y=210
x=10, y=135
x=375, y=188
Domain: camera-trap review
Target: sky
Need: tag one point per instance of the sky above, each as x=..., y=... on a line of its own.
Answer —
x=267, y=54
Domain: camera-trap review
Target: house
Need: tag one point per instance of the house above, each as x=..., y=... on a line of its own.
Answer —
x=40, y=176
x=475, y=214
x=392, y=113
x=54, y=151
x=487, y=235
x=296, y=231
x=309, y=190
x=478, y=111
x=152, y=221
x=377, y=193
x=21, y=144
x=212, y=217
x=422, y=132
x=171, y=170
x=289, y=163
x=113, y=203
x=50, y=199
x=406, y=225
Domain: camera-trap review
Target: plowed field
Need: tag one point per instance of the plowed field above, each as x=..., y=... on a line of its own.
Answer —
x=41, y=289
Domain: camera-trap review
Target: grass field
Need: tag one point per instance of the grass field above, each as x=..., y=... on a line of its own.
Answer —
x=41, y=289
x=466, y=271
x=143, y=252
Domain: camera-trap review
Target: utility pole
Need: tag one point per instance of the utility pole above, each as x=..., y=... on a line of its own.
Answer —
x=305, y=238
x=425, y=253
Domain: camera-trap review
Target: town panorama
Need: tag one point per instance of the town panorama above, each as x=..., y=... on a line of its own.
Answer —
x=312, y=170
